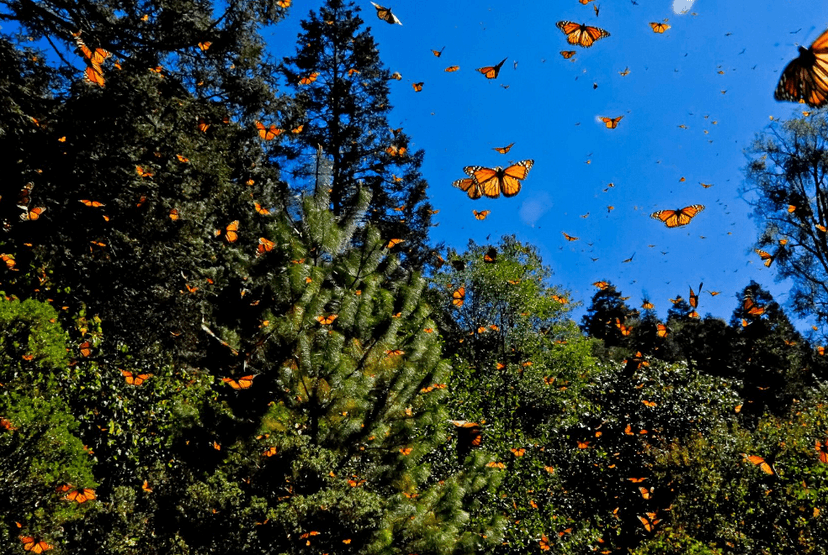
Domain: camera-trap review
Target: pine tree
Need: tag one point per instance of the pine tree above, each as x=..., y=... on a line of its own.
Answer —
x=342, y=89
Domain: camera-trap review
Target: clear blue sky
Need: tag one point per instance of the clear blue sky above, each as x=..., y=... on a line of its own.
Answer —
x=550, y=111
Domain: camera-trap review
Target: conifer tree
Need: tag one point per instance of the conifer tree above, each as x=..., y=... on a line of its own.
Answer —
x=342, y=88
x=604, y=315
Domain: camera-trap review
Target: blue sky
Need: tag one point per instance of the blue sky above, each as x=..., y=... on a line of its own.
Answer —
x=550, y=111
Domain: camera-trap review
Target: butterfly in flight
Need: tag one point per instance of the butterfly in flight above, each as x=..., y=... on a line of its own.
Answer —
x=243, y=383
x=504, y=149
x=806, y=77
x=567, y=54
x=659, y=27
x=694, y=297
x=470, y=434
x=133, y=379
x=581, y=33
x=678, y=218
x=267, y=133
x=386, y=15
x=438, y=53
x=35, y=546
x=491, y=72
x=458, y=297
x=763, y=465
x=612, y=123
x=766, y=257
x=418, y=86
x=309, y=79
x=482, y=214
x=493, y=181
x=231, y=232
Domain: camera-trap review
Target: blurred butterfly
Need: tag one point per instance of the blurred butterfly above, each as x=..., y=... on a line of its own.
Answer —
x=543, y=542
x=645, y=492
x=231, y=232
x=265, y=246
x=612, y=123
x=662, y=330
x=491, y=72
x=94, y=75
x=567, y=54
x=85, y=349
x=386, y=15
x=518, y=452
x=297, y=130
x=625, y=330
x=625, y=72
x=805, y=77
x=822, y=451
x=493, y=181
x=174, y=214
x=649, y=524
x=470, y=186
x=648, y=403
x=470, y=434
x=327, y=320
x=583, y=444
x=659, y=27
x=203, y=126
x=678, y=218
x=504, y=149
x=766, y=257
x=393, y=243
x=397, y=76
x=32, y=214
x=714, y=293
x=268, y=133
x=601, y=285
x=243, y=383
x=694, y=298
x=395, y=151
x=760, y=462
x=438, y=53
x=310, y=78
x=204, y=46
x=581, y=34
x=260, y=209
x=647, y=305
x=458, y=296
x=78, y=495
x=452, y=69
x=35, y=546
x=133, y=379
x=482, y=214
x=490, y=257
x=569, y=237
x=498, y=465
x=752, y=308
x=284, y=3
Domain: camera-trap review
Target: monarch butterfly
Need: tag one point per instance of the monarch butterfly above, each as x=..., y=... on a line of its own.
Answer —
x=649, y=524
x=752, y=308
x=662, y=331
x=519, y=452
x=625, y=72
x=85, y=349
x=625, y=330
x=79, y=495
x=438, y=53
x=231, y=232
x=174, y=214
x=493, y=181
x=581, y=33
x=203, y=126
x=544, y=543
x=265, y=246
x=204, y=46
x=386, y=15
x=97, y=57
x=393, y=243
x=583, y=444
x=567, y=54
x=679, y=217
x=396, y=151
x=94, y=75
x=822, y=451
x=327, y=320
x=418, y=86
x=491, y=72
x=35, y=546
x=766, y=257
x=458, y=296
x=601, y=285
x=494, y=464
x=659, y=27
x=470, y=186
x=132, y=379
x=694, y=298
x=693, y=314
x=482, y=214
x=452, y=69
x=612, y=123
x=647, y=305
x=469, y=434
x=805, y=77
x=569, y=237
x=645, y=493
x=243, y=383
x=760, y=462
x=268, y=133
x=297, y=130
x=648, y=403
x=311, y=77
x=32, y=214
x=283, y=3
x=504, y=149
x=406, y=450
x=260, y=209
x=269, y=452
x=397, y=75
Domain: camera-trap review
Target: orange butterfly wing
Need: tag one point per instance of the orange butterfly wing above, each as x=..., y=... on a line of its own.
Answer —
x=678, y=218
x=582, y=35
x=567, y=54
x=469, y=186
x=504, y=149
x=806, y=77
x=458, y=297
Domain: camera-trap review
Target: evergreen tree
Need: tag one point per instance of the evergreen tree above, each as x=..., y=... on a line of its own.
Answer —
x=342, y=88
x=604, y=315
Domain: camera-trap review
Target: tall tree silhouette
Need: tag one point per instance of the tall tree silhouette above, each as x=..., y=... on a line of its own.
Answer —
x=343, y=88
